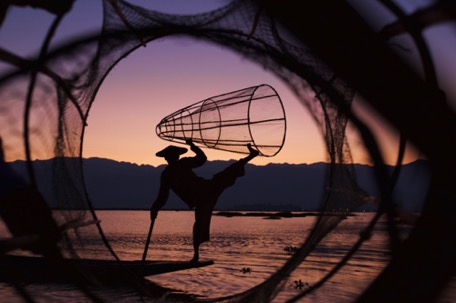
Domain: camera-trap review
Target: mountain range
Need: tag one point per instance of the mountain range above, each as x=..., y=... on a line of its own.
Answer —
x=279, y=187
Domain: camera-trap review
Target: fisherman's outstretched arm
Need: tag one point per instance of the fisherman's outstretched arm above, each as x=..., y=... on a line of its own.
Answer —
x=161, y=199
x=197, y=160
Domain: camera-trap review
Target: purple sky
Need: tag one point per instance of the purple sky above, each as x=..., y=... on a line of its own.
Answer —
x=174, y=72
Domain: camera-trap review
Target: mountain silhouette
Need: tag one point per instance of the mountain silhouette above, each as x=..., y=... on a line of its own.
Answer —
x=280, y=187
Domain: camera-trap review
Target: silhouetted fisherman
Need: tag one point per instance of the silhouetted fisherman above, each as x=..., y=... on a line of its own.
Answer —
x=26, y=214
x=195, y=191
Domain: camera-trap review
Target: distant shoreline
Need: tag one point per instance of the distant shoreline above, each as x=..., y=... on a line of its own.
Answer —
x=278, y=215
x=256, y=213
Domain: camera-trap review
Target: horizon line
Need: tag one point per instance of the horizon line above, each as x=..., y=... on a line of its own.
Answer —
x=271, y=163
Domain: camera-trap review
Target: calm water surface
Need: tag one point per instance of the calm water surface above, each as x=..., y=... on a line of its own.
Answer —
x=237, y=243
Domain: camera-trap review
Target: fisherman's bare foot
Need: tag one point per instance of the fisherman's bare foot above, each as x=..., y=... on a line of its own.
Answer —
x=194, y=260
x=253, y=152
x=195, y=256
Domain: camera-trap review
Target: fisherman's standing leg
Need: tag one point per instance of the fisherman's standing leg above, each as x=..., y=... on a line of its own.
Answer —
x=202, y=226
x=196, y=246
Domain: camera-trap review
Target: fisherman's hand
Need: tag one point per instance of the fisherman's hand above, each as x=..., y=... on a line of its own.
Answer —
x=189, y=141
x=153, y=214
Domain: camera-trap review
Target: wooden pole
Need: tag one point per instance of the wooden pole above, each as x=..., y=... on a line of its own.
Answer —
x=148, y=240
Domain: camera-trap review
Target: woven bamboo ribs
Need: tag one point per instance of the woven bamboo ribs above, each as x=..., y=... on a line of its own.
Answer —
x=230, y=121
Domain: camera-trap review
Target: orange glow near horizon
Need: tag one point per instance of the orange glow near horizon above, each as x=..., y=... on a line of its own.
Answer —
x=135, y=97
x=146, y=87
x=155, y=81
x=173, y=72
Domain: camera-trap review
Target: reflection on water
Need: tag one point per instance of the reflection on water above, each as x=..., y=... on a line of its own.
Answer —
x=253, y=243
x=246, y=251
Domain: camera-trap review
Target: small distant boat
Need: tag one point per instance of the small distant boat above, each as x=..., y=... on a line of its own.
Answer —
x=272, y=218
x=39, y=269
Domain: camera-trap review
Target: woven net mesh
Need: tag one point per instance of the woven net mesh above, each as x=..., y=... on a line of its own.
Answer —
x=54, y=110
x=253, y=115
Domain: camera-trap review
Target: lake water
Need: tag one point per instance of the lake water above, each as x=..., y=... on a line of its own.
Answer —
x=237, y=243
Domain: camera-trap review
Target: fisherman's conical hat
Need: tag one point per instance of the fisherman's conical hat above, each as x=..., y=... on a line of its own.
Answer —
x=171, y=150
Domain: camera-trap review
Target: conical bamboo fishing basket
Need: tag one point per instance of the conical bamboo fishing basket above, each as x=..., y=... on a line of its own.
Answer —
x=230, y=121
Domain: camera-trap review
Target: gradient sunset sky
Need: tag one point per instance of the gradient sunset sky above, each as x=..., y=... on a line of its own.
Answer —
x=172, y=73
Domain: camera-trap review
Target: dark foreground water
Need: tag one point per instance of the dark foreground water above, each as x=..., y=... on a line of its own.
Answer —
x=246, y=251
